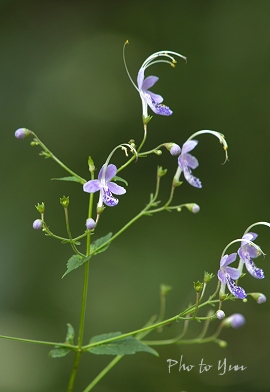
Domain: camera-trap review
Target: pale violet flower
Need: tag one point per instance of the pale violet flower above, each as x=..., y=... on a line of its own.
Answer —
x=187, y=162
x=227, y=276
x=104, y=185
x=247, y=252
x=154, y=101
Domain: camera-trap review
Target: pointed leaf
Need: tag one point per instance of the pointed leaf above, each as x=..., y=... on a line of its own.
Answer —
x=70, y=334
x=59, y=352
x=74, y=262
x=125, y=346
x=120, y=179
x=99, y=242
x=71, y=178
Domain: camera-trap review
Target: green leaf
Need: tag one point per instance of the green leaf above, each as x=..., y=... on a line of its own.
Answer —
x=125, y=346
x=70, y=334
x=59, y=352
x=99, y=242
x=120, y=179
x=74, y=262
x=71, y=178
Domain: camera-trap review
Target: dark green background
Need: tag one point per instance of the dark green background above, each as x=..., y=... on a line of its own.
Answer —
x=62, y=75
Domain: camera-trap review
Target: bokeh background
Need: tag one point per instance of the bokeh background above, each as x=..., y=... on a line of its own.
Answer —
x=62, y=75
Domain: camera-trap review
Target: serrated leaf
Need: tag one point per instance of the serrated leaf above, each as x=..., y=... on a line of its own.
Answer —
x=120, y=179
x=59, y=352
x=125, y=346
x=74, y=262
x=99, y=242
x=71, y=178
x=70, y=334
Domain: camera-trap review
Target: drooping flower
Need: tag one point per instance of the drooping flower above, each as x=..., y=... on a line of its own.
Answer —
x=154, y=101
x=228, y=275
x=187, y=162
x=104, y=185
x=247, y=252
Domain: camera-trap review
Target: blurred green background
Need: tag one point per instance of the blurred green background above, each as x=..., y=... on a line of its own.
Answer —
x=62, y=75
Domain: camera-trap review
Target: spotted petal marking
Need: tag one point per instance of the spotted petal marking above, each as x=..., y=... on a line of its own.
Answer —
x=236, y=291
x=108, y=198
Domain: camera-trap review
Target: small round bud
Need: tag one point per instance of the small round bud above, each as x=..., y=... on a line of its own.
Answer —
x=90, y=224
x=193, y=207
x=236, y=320
x=222, y=343
x=37, y=224
x=174, y=149
x=220, y=314
x=21, y=133
x=261, y=299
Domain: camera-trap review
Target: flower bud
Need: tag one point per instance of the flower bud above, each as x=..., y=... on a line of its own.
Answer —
x=21, y=133
x=64, y=201
x=222, y=343
x=161, y=172
x=40, y=207
x=193, y=207
x=220, y=314
x=173, y=148
x=208, y=277
x=165, y=289
x=259, y=297
x=90, y=224
x=198, y=286
x=37, y=224
x=91, y=165
x=236, y=320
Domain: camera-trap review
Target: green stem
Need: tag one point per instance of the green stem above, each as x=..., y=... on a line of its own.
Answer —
x=72, y=347
x=154, y=326
x=49, y=154
x=83, y=307
x=103, y=373
x=139, y=148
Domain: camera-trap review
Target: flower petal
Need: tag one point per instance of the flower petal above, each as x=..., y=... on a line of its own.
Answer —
x=227, y=259
x=192, y=180
x=117, y=189
x=236, y=291
x=110, y=172
x=92, y=186
x=222, y=276
x=108, y=198
x=233, y=272
x=155, y=97
x=191, y=161
x=253, y=269
x=157, y=108
x=149, y=82
x=248, y=236
x=140, y=78
x=189, y=145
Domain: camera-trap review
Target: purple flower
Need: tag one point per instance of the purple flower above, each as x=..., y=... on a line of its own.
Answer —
x=148, y=98
x=105, y=186
x=227, y=275
x=247, y=252
x=144, y=84
x=187, y=162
